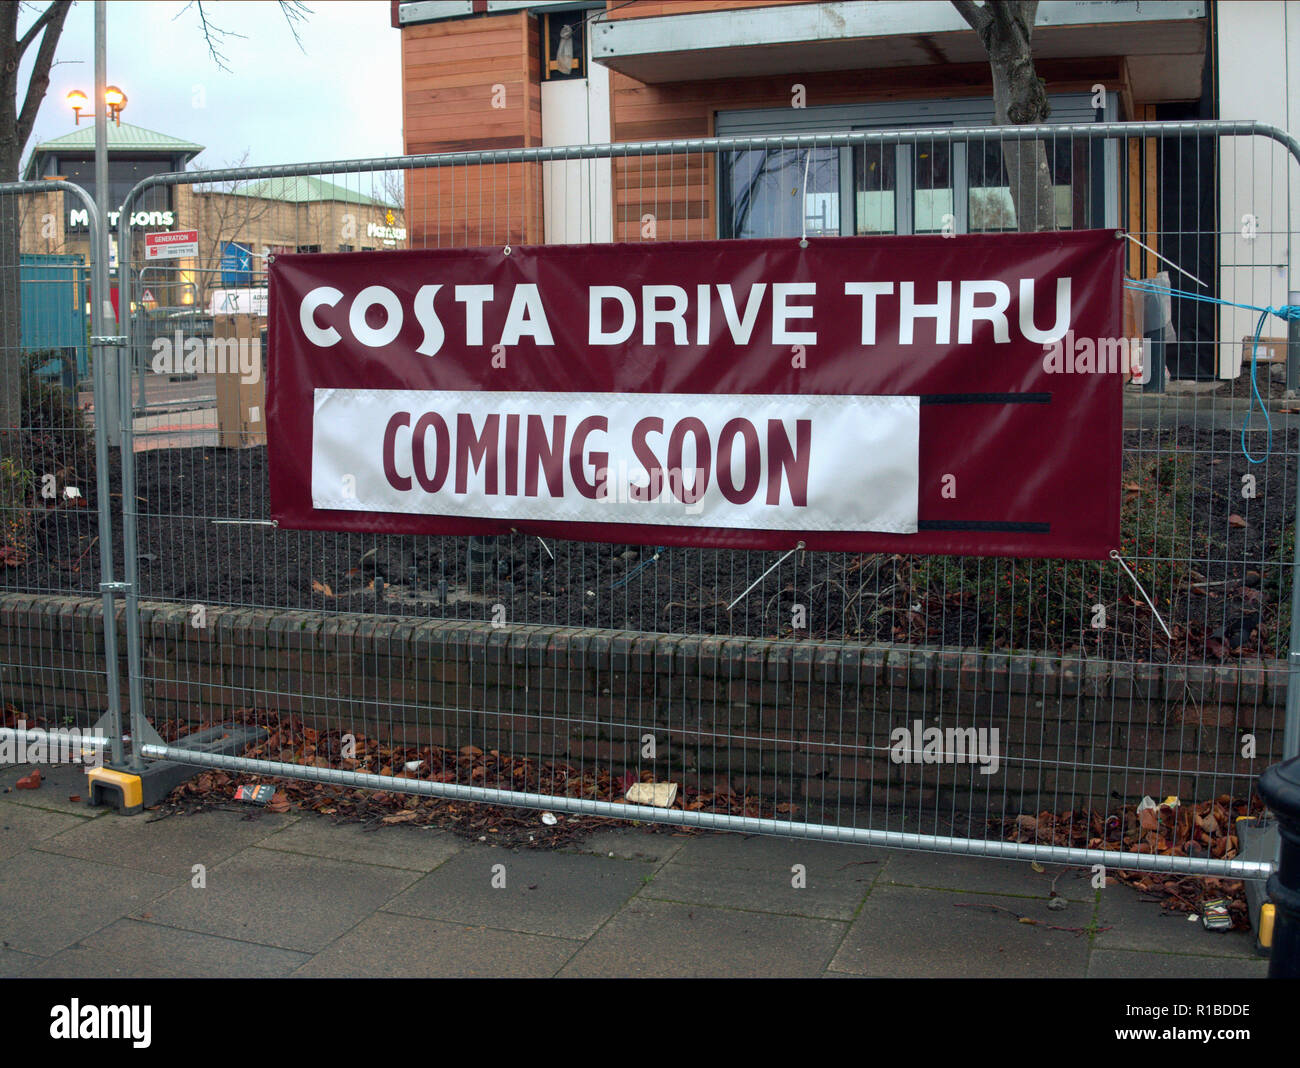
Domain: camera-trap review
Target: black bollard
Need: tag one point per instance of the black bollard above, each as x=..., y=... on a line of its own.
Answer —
x=1280, y=788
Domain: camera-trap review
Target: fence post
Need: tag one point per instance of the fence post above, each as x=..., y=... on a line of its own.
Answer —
x=1293, y=346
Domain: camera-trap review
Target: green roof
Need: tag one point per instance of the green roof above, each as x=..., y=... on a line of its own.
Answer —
x=305, y=190
x=124, y=138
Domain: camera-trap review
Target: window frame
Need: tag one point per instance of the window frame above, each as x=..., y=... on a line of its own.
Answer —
x=1067, y=109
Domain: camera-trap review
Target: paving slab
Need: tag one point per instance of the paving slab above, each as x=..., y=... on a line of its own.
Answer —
x=986, y=875
x=171, y=845
x=131, y=949
x=754, y=852
x=14, y=964
x=22, y=827
x=281, y=899
x=906, y=932
x=1135, y=964
x=1138, y=924
x=389, y=945
x=564, y=894
x=412, y=848
x=59, y=784
x=660, y=939
x=49, y=901
x=631, y=843
x=828, y=893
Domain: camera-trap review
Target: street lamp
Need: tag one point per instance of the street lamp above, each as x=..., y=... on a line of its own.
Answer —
x=77, y=101
x=114, y=100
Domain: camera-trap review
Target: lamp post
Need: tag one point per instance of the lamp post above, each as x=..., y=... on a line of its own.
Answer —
x=111, y=102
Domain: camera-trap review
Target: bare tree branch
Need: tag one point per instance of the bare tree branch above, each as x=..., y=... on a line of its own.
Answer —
x=40, y=79
x=977, y=16
x=213, y=35
x=294, y=11
x=40, y=24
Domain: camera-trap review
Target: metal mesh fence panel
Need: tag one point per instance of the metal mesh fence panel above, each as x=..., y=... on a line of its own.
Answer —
x=59, y=678
x=1014, y=707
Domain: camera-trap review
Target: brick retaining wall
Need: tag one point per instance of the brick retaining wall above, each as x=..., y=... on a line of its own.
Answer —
x=800, y=722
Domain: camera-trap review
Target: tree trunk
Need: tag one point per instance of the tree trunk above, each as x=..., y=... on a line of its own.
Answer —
x=1019, y=99
x=11, y=370
x=10, y=294
x=16, y=121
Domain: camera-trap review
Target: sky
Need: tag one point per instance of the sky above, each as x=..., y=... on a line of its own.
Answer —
x=337, y=98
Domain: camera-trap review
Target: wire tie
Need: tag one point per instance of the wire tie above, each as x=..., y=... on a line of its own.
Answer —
x=763, y=576
x=1114, y=555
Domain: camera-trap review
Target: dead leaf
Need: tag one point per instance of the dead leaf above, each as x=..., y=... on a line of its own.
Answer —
x=1235, y=520
x=30, y=782
x=321, y=587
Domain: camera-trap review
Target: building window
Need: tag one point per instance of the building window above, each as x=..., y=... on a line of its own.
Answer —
x=989, y=203
x=875, y=185
x=346, y=248
x=307, y=248
x=765, y=188
x=932, y=186
x=958, y=186
x=563, y=45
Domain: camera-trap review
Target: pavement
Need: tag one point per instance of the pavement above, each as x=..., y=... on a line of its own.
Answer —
x=87, y=893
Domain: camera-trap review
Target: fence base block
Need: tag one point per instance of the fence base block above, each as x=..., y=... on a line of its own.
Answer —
x=115, y=789
x=1257, y=839
x=130, y=792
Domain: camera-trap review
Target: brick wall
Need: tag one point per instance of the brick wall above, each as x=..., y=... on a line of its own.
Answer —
x=800, y=723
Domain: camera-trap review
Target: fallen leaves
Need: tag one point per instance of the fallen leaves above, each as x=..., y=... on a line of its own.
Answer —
x=1204, y=829
x=30, y=782
x=289, y=740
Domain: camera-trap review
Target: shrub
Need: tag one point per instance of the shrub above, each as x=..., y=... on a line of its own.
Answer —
x=1058, y=604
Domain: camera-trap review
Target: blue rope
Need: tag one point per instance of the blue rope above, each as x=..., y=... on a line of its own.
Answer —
x=639, y=568
x=1288, y=312
x=1254, y=396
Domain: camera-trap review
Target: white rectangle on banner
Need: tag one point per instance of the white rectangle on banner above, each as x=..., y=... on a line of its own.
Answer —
x=777, y=462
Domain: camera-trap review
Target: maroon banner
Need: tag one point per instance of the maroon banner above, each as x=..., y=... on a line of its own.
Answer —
x=954, y=395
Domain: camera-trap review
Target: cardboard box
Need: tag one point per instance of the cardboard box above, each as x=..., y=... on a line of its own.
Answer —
x=1271, y=350
x=241, y=405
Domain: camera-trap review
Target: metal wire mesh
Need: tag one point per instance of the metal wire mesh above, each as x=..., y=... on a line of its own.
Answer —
x=771, y=688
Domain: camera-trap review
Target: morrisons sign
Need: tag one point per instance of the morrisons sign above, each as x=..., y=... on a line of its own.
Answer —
x=79, y=218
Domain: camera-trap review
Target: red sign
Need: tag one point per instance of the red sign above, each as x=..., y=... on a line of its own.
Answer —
x=899, y=394
x=171, y=244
